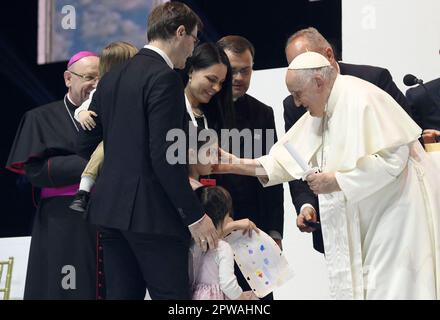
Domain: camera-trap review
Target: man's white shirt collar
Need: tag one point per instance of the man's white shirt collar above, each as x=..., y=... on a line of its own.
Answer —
x=161, y=53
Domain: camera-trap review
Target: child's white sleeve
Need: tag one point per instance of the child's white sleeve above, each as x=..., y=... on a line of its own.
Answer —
x=228, y=280
x=85, y=105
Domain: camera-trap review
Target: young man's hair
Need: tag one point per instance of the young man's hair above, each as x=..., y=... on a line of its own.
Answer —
x=236, y=44
x=166, y=18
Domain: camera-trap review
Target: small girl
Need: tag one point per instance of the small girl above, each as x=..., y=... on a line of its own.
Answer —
x=215, y=279
x=201, y=164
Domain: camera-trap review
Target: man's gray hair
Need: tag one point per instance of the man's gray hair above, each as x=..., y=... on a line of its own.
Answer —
x=317, y=42
x=327, y=73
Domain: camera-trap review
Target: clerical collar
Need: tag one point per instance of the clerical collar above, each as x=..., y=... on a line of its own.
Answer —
x=162, y=54
x=70, y=104
x=70, y=108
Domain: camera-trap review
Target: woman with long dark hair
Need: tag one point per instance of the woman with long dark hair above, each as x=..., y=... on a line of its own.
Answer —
x=208, y=90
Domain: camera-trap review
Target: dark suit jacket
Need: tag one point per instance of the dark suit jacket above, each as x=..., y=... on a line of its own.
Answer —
x=264, y=206
x=138, y=190
x=425, y=107
x=380, y=77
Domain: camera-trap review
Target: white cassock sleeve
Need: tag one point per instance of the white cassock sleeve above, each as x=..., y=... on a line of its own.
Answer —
x=275, y=173
x=227, y=279
x=372, y=173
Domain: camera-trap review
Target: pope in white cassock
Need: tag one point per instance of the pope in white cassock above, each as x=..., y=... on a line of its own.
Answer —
x=378, y=195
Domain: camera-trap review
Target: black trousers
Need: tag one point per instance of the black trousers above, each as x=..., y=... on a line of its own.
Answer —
x=134, y=262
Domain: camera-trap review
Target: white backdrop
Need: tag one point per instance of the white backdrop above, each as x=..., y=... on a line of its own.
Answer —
x=18, y=248
x=402, y=36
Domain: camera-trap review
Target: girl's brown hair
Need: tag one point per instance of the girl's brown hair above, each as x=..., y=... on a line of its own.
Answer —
x=114, y=54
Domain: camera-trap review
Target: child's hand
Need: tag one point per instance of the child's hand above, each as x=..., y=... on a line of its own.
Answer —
x=86, y=120
x=243, y=224
x=248, y=295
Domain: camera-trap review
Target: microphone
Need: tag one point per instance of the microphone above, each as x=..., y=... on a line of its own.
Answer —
x=411, y=80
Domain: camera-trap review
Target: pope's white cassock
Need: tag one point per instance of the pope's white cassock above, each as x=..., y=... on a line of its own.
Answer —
x=381, y=232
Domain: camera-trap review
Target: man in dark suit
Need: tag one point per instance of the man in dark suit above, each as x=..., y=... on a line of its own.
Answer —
x=144, y=204
x=425, y=104
x=304, y=200
x=264, y=206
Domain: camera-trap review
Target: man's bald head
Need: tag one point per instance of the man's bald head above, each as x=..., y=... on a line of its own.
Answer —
x=85, y=64
x=309, y=39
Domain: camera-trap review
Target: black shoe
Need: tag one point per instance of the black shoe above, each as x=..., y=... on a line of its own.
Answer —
x=80, y=201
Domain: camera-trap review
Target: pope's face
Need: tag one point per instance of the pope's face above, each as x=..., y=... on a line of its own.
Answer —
x=309, y=93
